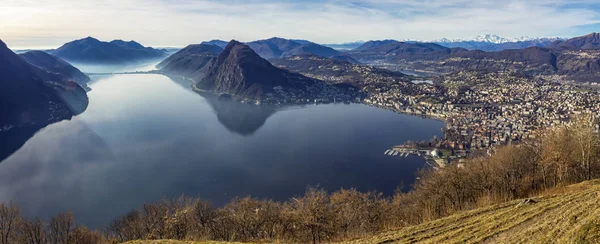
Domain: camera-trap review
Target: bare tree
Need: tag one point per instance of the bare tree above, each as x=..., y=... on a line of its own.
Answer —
x=313, y=213
x=9, y=219
x=61, y=228
x=33, y=232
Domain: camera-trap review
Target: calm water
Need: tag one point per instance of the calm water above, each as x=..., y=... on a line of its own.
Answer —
x=145, y=137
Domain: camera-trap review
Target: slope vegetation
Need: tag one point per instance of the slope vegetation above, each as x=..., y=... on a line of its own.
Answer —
x=569, y=216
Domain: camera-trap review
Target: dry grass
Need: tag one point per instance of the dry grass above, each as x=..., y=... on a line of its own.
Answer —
x=569, y=215
x=175, y=242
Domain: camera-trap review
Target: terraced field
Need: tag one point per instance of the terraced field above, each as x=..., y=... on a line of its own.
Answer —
x=569, y=216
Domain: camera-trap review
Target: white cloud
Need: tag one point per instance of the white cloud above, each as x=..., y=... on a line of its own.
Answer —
x=180, y=22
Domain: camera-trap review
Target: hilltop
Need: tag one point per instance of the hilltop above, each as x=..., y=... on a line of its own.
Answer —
x=91, y=50
x=563, y=217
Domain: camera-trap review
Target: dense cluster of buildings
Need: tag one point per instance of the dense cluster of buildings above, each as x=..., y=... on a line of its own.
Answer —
x=485, y=110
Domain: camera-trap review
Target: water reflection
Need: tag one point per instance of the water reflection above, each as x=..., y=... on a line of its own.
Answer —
x=14, y=139
x=144, y=138
x=242, y=119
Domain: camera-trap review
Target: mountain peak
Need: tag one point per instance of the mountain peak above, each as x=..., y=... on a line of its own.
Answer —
x=241, y=72
x=89, y=38
x=490, y=38
x=486, y=38
x=232, y=44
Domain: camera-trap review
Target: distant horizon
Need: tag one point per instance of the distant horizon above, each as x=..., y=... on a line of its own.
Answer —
x=161, y=23
x=227, y=40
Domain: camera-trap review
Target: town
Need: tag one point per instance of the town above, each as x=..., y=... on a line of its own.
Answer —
x=482, y=111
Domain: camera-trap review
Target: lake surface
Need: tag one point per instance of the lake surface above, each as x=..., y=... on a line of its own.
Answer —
x=145, y=137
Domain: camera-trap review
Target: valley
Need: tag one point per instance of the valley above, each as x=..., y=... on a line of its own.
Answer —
x=288, y=140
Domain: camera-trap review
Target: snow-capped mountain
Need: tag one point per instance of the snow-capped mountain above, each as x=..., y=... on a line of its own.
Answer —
x=495, y=39
x=491, y=39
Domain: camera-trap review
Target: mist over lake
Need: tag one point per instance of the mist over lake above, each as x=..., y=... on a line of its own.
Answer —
x=147, y=137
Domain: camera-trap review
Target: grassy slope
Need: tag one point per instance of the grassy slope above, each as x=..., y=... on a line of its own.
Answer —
x=561, y=217
x=175, y=242
x=556, y=218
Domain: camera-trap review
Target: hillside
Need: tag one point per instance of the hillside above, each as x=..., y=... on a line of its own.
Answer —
x=190, y=60
x=336, y=71
x=273, y=47
x=556, y=218
x=54, y=64
x=587, y=42
x=91, y=50
x=571, y=215
x=177, y=242
x=32, y=96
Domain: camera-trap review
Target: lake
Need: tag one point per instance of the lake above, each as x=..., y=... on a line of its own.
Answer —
x=147, y=137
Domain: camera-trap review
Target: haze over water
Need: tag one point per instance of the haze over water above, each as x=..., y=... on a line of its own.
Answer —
x=145, y=137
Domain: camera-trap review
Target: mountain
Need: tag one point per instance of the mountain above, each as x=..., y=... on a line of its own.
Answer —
x=219, y=43
x=493, y=43
x=31, y=96
x=273, y=47
x=587, y=42
x=373, y=44
x=311, y=48
x=345, y=46
x=54, y=64
x=336, y=71
x=487, y=38
x=241, y=72
x=487, y=42
x=382, y=50
x=493, y=47
x=534, y=60
x=580, y=65
x=278, y=47
x=189, y=61
x=574, y=58
x=91, y=50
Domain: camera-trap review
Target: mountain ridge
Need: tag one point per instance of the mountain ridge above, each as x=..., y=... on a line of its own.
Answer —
x=32, y=96
x=92, y=50
x=54, y=64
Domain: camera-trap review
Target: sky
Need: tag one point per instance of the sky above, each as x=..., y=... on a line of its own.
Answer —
x=177, y=23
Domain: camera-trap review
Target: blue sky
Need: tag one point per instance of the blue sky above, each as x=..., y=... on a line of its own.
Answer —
x=49, y=23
